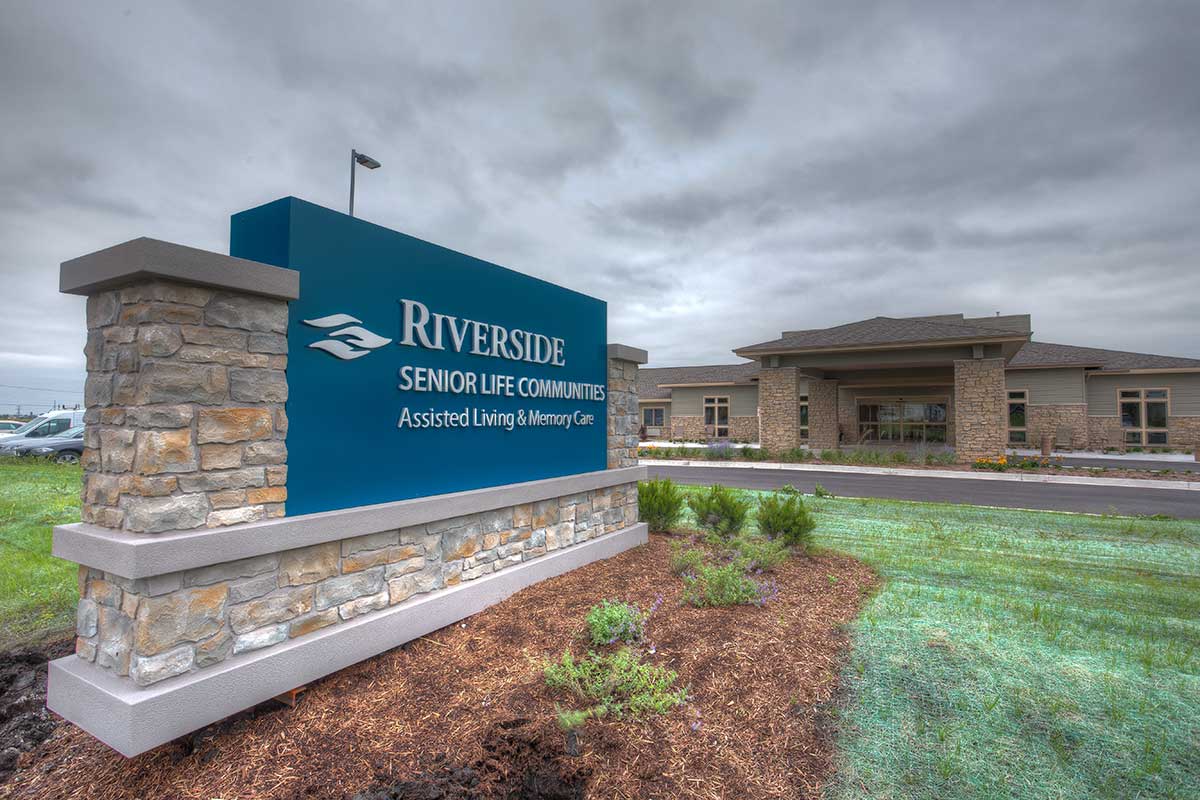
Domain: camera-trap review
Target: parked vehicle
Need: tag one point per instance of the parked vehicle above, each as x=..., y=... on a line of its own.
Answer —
x=9, y=425
x=50, y=424
x=65, y=448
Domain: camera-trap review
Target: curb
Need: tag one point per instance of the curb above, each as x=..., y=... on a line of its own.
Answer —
x=1129, y=483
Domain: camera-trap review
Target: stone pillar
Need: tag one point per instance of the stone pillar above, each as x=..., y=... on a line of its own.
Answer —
x=979, y=408
x=822, y=414
x=623, y=421
x=779, y=408
x=185, y=420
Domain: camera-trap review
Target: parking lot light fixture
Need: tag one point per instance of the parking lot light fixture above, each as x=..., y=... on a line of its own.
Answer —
x=357, y=158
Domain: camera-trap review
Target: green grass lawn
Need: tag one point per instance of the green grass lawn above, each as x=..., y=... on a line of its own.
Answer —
x=1014, y=654
x=37, y=591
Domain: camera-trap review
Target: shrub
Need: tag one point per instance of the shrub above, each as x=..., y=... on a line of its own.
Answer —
x=785, y=517
x=686, y=560
x=832, y=456
x=821, y=491
x=616, y=684
x=660, y=503
x=613, y=621
x=719, y=509
x=719, y=451
x=755, y=454
x=796, y=454
x=727, y=585
x=754, y=553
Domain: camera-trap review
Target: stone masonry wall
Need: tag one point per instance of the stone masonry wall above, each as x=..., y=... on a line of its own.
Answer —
x=156, y=628
x=822, y=414
x=1182, y=432
x=688, y=428
x=743, y=429
x=1048, y=418
x=185, y=421
x=779, y=408
x=980, y=409
x=623, y=420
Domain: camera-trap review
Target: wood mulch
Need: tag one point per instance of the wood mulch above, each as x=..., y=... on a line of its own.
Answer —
x=440, y=709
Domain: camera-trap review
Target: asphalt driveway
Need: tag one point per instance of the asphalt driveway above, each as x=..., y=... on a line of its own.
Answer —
x=976, y=491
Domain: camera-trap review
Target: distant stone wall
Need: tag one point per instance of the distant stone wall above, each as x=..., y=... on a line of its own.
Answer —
x=823, y=414
x=688, y=428
x=1048, y=418
x=980, y=409
x=185, y=421
x=1183, y=431
x=155, y=628
x=779, y=408
x=743, y=429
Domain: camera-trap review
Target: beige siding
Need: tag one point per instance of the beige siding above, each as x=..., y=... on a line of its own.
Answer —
x=743, y=400
x=1184, y=386
x=1049, y=386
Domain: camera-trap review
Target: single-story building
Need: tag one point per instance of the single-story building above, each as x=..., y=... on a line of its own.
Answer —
x=977, y=385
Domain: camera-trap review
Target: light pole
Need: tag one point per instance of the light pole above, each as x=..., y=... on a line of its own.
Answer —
x=358, y=158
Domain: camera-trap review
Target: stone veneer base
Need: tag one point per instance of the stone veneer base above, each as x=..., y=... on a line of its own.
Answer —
x=133, y=555
x=133, y=720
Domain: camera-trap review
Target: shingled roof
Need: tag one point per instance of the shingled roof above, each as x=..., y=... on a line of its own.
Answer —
x=1045, y=354
x=882, y=331
x=651, y=381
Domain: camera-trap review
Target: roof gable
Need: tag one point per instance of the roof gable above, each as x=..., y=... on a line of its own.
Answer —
x=882, y=331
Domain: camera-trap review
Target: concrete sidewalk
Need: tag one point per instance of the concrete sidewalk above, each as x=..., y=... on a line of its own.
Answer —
x=973, y=475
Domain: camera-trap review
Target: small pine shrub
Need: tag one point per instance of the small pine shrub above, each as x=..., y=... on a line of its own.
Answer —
x=755, y=454
x=821, y=491
x=727, y=585
x=720, y=510
x=660, y=503
x=613, y=621
x=686, y=560
x=719, y=451
x=785, y=518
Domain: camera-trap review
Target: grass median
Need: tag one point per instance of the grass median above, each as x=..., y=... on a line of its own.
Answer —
x=37, y=591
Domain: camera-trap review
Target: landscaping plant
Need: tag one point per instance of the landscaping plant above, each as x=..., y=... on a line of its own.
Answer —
x=720, y=510
x=660, y=503
x=726, y=585
x=685, y=560
x=756, y=554
x=783, y=516
x=613, y=621
x=617, y=684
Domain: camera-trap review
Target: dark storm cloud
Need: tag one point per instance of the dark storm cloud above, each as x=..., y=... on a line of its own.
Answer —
x=718, y=172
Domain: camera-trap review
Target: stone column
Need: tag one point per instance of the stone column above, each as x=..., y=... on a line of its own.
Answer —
x=623, y=421
x=822, y=414
x=185, y=393
x=779, y=408
x=979, y=408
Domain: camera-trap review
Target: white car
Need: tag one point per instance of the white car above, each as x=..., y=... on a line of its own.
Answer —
x=9, y=425
x=49, y=424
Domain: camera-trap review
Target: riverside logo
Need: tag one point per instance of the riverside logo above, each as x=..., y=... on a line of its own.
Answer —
x=354, y=341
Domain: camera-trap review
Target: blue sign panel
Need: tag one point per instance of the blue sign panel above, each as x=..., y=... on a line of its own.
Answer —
x=414, y=370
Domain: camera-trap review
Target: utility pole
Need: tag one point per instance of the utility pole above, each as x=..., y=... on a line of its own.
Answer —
x=357, y=158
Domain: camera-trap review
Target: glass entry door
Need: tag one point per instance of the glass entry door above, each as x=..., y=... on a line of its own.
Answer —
x=902, y=421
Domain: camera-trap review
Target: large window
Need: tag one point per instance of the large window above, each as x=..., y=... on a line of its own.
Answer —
x=1018, y=411
x=653, y=417
x=902, y=421
x=1144, y=415
x=716, y=416
x=803, y=416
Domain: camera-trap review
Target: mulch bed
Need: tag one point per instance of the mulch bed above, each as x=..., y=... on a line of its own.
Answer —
x=464, y=712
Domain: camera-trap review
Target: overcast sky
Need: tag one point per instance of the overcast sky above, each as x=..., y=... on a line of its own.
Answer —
x=718, y=173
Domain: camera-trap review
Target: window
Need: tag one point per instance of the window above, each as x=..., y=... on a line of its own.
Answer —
x=1144, y=415
x=1018, y=407
x=716, y=416
x=902, y=421
x=652, y=417
x=803, y=416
